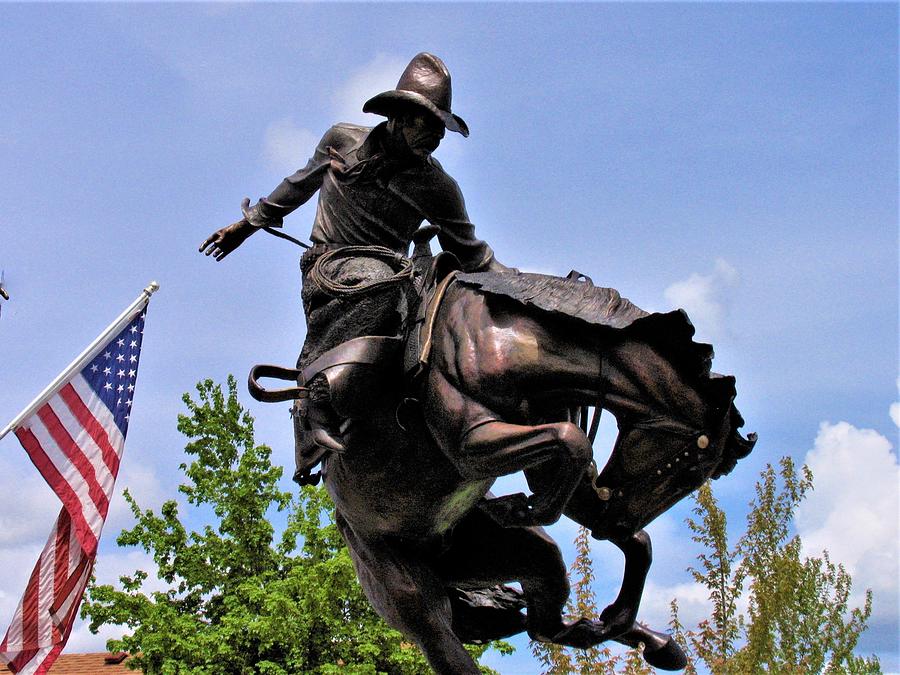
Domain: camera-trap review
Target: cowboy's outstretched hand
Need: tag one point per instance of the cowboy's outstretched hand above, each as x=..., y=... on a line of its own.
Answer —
x=222, y=242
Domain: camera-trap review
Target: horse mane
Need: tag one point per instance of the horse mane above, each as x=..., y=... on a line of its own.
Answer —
x=573, y=299
x=558, y=295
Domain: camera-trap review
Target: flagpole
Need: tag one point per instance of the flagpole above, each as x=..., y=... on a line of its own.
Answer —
x=84, y=358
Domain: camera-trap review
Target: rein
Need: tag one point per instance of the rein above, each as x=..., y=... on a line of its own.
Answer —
x=287, y=237
x=604, y=493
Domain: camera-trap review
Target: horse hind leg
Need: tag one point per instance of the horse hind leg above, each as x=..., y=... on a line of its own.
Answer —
x=408, y=595
x=484, y=554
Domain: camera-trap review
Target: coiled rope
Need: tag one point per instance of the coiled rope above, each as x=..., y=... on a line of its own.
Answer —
x=319, y=274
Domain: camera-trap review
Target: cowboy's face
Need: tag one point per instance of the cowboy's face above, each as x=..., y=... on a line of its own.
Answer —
x=420, y=132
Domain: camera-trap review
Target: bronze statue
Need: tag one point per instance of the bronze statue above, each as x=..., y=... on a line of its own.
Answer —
x=422, y=379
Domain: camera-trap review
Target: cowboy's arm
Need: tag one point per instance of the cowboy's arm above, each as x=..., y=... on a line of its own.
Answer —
x=291, y=193
x=457, y=233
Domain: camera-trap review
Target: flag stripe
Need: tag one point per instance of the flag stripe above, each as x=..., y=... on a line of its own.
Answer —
x=34, y=630
x=75, y=552
x=71, y=585
x=30, y=442
x=99, y=433
x=30, y=609
x=62, y=557
x=64, y=613
x=61, y=473
x=46, y=629
x=99, y=410
x=30, y=657
x=78, y=461
x=42, y=666
x=88, y=447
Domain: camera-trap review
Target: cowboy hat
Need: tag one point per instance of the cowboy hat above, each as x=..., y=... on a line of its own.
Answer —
x=426, y=84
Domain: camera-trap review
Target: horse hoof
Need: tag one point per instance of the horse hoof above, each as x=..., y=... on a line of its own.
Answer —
x=616, y=621
x=508, y=511
x=581, y=634
x=668, y=657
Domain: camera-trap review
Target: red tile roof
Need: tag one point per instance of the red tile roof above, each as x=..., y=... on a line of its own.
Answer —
x=91, y=664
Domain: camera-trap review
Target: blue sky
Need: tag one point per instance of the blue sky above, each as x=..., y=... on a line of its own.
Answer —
x=738, y=160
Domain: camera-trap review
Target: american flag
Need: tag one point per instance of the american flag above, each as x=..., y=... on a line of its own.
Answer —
x=75, y=438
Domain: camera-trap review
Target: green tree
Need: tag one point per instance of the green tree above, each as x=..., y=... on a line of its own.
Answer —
x=798, y=619
x=241, y=599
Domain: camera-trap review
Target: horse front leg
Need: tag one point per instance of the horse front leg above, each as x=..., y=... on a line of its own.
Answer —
x=497, y=448
x=620, y=616
x=660, y=649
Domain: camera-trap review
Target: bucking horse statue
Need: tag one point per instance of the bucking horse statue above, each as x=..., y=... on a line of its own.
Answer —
x=423, y=379
x=496, y=373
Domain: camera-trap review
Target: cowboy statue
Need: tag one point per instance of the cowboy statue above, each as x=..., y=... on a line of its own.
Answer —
x=376, y=187
x=424, y=378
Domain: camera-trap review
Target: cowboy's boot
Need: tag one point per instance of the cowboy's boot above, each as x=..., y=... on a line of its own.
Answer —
x=313, y=439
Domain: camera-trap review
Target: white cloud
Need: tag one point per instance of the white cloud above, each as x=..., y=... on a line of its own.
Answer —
x=853, y=511
x=29, y=507
x=143, y=484
x=82, y=641
x=705, y=298
x=287, y=147
x=380, y=74
x=694, y=604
